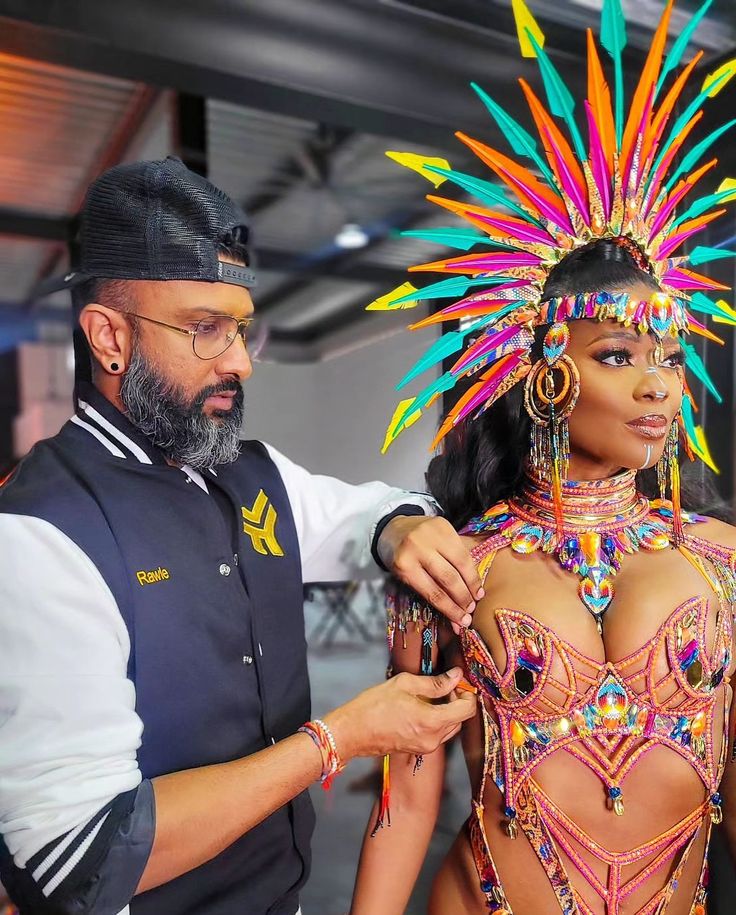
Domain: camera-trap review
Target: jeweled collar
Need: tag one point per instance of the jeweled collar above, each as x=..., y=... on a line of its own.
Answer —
x=602, y=521
x=586, y=504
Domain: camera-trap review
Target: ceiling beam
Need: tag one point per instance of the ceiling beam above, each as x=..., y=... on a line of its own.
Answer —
x=378, y=66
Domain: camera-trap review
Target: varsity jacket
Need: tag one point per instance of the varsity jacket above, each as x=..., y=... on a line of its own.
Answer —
x=151, y=621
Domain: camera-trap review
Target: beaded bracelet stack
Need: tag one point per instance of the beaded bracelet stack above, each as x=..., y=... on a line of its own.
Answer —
x=332, y=764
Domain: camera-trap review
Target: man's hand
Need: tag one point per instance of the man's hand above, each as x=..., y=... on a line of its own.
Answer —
x=401, y=716
x=429, y=555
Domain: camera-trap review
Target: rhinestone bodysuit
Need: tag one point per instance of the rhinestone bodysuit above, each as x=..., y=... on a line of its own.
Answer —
x=552, y=698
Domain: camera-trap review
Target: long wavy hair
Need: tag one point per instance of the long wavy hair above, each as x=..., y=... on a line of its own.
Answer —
x=482, y=461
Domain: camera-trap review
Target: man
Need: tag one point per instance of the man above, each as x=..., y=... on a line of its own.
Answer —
x=152, y=656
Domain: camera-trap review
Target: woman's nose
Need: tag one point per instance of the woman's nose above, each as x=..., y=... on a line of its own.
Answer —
x=653, y=386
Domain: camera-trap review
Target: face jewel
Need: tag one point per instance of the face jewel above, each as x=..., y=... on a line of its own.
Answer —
x=555, y=343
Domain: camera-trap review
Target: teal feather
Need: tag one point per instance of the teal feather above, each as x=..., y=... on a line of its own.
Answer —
x=697, y=367
x=447, y=345
x=697, y=153
x=450, y=288
x=521, y=142
x=453, y=237
x=561, y=102
x=682, y=120
x=701, y=303
x=613, y=39
x=703, y=255
x=483, y=190
x=702, y=205
x=680, y=46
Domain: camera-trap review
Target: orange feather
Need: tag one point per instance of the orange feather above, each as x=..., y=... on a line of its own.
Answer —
x=599, y=96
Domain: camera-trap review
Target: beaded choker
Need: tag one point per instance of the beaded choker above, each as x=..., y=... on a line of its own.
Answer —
x=602, y=521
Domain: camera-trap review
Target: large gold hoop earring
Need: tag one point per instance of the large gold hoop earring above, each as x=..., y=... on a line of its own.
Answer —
x=550, y=395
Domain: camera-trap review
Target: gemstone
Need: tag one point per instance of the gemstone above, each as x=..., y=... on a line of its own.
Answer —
x=694, y=674
x=528, y=661
x=532, y=647
x=717, y=677
x=518, y=734
x=527, y=540
x=697, y=725
x=523, y=681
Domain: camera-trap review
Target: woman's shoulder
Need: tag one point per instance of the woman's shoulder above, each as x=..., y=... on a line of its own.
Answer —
x=715, y=531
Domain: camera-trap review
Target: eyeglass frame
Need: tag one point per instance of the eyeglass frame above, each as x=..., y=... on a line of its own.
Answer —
x=243, y=322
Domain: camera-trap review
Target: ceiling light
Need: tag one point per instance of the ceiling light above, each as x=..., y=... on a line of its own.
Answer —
x=351, y=235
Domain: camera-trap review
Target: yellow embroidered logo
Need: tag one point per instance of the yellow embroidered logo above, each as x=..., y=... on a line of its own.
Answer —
x=152, y=576
x=259, y=523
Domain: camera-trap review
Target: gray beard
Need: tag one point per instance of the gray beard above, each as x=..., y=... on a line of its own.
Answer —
x=177, y=424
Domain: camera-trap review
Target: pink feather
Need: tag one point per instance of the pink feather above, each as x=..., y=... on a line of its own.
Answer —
x=568, y=182
x=499, y=372
x=483, y=346
x=598, y=162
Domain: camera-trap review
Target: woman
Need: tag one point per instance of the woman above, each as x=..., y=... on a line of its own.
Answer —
x=602, y=649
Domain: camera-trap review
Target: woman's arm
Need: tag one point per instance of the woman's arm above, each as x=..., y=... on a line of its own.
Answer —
x=391, y=859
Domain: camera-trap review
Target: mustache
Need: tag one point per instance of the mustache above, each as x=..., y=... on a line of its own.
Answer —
x=212, y=390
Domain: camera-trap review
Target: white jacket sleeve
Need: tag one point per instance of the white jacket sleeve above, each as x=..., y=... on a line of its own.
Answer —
x=336, y=521
x=69, y=732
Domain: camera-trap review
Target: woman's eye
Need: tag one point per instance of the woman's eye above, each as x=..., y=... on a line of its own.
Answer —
x=674, y=360
x=615, y=357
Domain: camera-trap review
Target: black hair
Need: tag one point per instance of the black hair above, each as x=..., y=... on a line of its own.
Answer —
x=483, y=459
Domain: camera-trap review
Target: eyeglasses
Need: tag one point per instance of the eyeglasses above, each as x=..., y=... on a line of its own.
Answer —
x=215, y=334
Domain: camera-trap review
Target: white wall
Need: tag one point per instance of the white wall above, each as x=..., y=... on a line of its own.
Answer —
x=332, y=416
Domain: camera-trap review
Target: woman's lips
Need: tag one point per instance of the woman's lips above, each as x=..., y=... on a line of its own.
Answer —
x=653, y=425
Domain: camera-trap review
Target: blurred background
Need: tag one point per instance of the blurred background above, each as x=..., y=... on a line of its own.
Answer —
x=289, y=105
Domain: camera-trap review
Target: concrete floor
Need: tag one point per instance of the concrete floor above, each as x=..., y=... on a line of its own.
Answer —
x=339, y=672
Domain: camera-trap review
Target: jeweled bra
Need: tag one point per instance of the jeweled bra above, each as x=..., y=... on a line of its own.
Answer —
x=607, y=715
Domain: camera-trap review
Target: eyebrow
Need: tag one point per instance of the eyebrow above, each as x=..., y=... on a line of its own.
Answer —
x=205, y=312
x=629, y=336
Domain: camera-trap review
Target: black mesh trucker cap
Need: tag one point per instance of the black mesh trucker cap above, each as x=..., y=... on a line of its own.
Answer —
x=157, y=220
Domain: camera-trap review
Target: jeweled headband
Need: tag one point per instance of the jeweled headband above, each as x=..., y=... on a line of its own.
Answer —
x=624, y=185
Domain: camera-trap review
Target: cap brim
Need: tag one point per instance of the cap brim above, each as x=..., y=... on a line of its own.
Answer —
x=55, y=283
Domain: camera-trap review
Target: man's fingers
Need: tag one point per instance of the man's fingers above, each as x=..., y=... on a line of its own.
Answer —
x=444, y=573
x=456, y=553
x=435, y=596
x=454, y=713
x=437, y=686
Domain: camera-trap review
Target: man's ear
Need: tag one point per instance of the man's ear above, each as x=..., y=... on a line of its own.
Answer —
x=109, y=335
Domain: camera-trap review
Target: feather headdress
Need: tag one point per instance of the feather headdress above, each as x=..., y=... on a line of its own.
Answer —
x=623, y=184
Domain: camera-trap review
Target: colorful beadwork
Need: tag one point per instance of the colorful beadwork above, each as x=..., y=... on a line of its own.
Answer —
x=625, y=524
x=611, y=716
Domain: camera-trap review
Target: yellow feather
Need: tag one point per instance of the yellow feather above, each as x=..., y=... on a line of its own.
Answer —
x=525, y=23
x=418, y=164
x=391, y=432
x=385, y=302
x=702, y=449
x=728, y=184
x=729, y=67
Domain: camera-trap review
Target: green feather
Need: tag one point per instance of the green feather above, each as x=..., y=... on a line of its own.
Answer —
x=453, y=237
x=703, y=255
x=679, y=47
x=697, y=367
x=561, y=102
x=702, y=205
x=613, y=39
x=484, y=190
x=521, y=142
x=447, y=345
x=697, y=153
